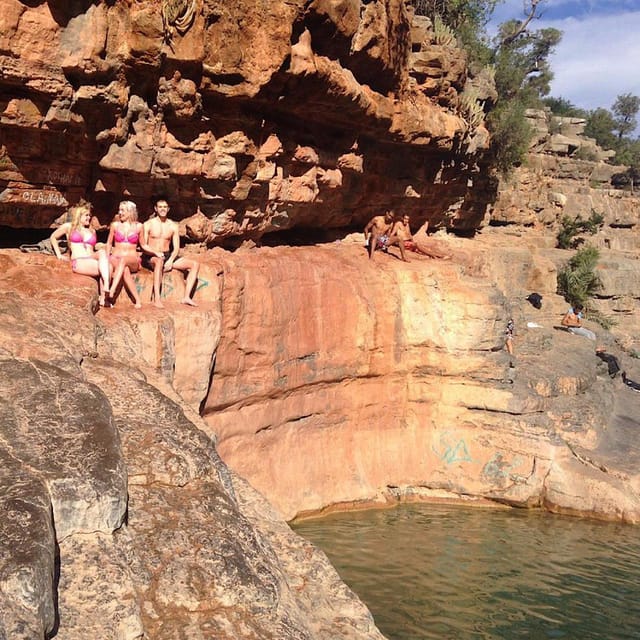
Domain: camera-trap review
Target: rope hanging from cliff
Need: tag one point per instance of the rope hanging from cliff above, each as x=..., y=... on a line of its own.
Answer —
x=177, y=15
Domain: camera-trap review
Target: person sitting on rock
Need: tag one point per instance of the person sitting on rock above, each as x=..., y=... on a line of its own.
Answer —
x=402, y=229
x=378, y=234
x=125, y=233
x=162, y=247
x=573, y=322
x=81, y=239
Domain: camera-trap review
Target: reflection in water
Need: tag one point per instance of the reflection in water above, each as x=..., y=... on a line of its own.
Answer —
x=450, y=572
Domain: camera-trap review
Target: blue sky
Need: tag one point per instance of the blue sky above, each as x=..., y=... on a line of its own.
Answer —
x=599, y=55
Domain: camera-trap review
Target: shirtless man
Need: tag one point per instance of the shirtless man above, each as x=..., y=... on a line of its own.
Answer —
x=161, y=235
x=572, y=320
x=402, y=229
x=378, y=234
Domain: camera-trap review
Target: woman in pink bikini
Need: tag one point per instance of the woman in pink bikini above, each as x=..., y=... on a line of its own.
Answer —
x=125, y=233
x=82, y=241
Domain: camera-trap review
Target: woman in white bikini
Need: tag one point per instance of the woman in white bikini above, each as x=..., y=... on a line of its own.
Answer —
x=125, y=234
x=82, y=239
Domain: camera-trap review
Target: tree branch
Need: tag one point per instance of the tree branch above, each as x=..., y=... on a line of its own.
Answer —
x=531, y=15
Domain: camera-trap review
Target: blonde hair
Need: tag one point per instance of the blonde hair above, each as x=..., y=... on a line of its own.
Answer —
x=75, y=214
x=131, y=209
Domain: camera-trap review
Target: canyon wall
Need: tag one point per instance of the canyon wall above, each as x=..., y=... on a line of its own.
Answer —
x=150, y=458
x=252, y=119
x=119, y=518
x=341, y=382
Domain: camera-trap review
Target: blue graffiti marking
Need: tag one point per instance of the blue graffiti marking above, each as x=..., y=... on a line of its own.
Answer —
x=451, y=452
x=497, y=467
x=202, y=283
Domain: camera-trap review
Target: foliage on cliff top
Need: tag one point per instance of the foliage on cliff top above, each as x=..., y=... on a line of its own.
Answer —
x=520, y=58
x=570, y=228
x=612, y=129
x=578, y=282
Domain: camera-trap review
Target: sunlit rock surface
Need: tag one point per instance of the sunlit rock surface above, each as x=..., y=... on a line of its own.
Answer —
x=120, y=520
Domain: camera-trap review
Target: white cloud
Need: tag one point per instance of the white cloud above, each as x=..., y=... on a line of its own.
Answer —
x=597, y=59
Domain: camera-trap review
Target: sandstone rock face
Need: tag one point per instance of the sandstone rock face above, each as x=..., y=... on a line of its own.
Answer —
x=186, y=99
x=119, y=518
x=401, y=389
x=326, y=381
x=550, y=188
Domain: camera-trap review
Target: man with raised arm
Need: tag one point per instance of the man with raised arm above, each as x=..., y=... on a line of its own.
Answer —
x=162, y=237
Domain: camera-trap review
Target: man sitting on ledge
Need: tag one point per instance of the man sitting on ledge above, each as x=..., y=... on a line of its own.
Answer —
x=162, y=236
x=378, y=234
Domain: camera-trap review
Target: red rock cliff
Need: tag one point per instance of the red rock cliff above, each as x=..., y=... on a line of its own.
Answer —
x=252, y=117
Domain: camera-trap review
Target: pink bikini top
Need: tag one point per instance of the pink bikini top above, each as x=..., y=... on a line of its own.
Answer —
x=76, y=238
x=131, y=238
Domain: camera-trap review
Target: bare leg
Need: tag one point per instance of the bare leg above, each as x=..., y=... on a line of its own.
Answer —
x=117, y=277
x=395, y=240
x=158, y=270
x=192, y=268
x=105, y=270
x=130, y=284
x=402, y=251
x=373, y=241
x=90, y=268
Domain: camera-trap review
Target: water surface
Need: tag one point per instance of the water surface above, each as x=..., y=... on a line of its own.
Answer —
x=429, y=571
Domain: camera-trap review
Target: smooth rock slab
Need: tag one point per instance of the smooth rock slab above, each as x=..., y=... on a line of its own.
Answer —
x=63, y=431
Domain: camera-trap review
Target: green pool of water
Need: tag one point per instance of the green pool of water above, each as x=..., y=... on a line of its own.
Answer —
x=429, y=571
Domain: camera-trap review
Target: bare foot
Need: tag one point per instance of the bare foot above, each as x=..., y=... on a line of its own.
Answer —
x=188, y=301
x=138, y=305
x=158, y=304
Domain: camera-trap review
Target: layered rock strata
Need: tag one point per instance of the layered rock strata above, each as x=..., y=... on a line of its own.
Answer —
x=341, y=381
x=119, y=519
x=327, y=381
x=253, y=118
x=557, y=184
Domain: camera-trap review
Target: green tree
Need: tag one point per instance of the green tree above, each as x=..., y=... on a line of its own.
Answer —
x=468, y=20
x=519, y=57
x=578, y=280
x=563, y=107
x=458, y=13
x=570, y=228
x=629, y=154
x=523, y=76
x=522, y=61
x=600, y=125
x=510, y=135
x=625, y=109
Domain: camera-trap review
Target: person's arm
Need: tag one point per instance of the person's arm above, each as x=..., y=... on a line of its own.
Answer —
x=367, y=230
x=112, y=231
x=144, y=239
x=409, y=234
x=570, y=320
x=55, y=236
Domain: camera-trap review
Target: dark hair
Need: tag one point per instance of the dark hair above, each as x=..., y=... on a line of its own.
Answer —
x=578, y=307
x=157, y=199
